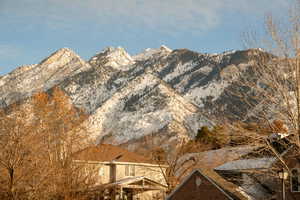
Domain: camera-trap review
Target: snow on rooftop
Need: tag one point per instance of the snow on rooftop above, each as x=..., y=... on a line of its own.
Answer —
x=213, y=158
x=258, y=163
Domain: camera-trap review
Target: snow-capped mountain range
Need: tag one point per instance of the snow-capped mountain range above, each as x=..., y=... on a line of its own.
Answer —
x=173, y=92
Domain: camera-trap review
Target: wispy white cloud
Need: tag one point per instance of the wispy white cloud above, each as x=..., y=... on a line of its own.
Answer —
x=199, y=15
x=9, y=51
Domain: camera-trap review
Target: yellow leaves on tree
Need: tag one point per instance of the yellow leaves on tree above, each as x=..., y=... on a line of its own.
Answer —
x=38, y=138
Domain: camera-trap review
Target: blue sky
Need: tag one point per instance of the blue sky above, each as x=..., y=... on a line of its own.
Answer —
x=33, y=29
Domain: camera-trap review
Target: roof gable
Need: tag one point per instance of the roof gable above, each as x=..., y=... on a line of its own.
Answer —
x=226, y=189
x=137, y=182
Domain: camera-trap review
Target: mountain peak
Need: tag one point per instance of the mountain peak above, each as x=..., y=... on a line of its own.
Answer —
x=113, y=57
x=165, y=48
x=149, y=52
x=25, y=81
x=164, y=94
x=63, y=51
x=64, y=55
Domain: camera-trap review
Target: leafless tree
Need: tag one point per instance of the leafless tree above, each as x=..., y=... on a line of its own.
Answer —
x=59, y=123
x=38, y=139
x=271, y=86
x=17, y=146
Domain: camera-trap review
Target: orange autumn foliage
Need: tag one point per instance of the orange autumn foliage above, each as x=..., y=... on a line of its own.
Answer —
x=38, y=138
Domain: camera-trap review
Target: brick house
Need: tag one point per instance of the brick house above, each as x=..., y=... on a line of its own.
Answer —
x=259, y=176
x=122, y=174
x=205, y=184
x=292, y=183
x=253, y=175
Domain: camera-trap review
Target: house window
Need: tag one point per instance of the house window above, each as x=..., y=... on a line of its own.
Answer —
x=295, y=180
x=198, y=181
x=101, y=171
x=132, y=170
x=129, y=170
x=126, y=170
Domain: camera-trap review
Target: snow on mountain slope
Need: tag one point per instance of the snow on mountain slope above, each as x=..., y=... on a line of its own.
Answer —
x=111, y=70
x=197, y=76
x=116, y=58
x=129, y=97
x=146, y=105
x=205, y=79
x=25, y=81
x=148, y=53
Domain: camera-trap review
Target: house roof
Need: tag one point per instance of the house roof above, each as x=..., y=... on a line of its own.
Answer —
x=248, y=164
x=109, y=153
x=230, y=190
x=233, y=190
x=211, y=159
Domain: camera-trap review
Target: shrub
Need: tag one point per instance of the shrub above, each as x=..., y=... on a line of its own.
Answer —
x=215, y=137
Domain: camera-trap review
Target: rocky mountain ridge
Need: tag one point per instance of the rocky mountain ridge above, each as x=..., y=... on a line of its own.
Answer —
x=27, y=80
x=130, y=97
